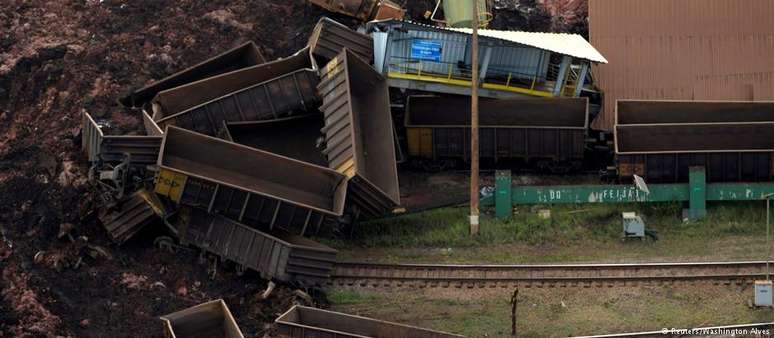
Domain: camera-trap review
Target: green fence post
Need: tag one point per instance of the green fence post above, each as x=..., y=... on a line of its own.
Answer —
x=697, y=182
x=503, y=202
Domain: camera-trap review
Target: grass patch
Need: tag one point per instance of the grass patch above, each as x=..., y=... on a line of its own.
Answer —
x=573, y=233
x=560, y=312
x=346, y=297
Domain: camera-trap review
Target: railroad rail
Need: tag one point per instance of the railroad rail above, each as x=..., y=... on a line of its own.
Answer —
x=555, y=275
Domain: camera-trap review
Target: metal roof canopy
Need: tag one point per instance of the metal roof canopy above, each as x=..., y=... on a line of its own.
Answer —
x=567, y=44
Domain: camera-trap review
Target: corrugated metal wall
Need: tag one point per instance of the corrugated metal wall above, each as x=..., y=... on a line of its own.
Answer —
x=525, y=61
x=682, y=50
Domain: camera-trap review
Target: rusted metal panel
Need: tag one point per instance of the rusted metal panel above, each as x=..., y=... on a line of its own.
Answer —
x=307, y=322
x=692, y=127
x=670, y=111
x=694, y=138
x=131, y=215
x=210, y=319
x=330, y=37
x=276, y=256
x=360, y=9
x=556, y=113
x=720, y=167
x=177, y=99
x=143, y=149
x=359, y=135
x=287, y=95
x=242, y=56
x=151, y=128
x=682, y=50
x=386, y=10
x=248, y=185
x=295, y=137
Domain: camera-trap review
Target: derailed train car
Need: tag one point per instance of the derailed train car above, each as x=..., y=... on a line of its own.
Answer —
x=359, y=133
x=251, y=186
x=183, y=98
x=661, y=140
x=284, y=95
x=308, y=322
x=244, y=55
x=103, y=148
x=276, y=256
x=330, y=37
x=547, y=133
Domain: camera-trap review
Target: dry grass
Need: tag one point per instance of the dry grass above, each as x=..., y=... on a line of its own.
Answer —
x=557, y=312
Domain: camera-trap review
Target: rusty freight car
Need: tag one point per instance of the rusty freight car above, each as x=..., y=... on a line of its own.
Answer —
x=547, y=133
x=251, y=186
x=207, y=320
x=308, y=322
x=99, y=147
x=276, y=256
x=181, y=98
x=297, y=137
x=365, y=10
x=242, y=56
x=283, y=96
x=660, y=140
x=330, y=37
x=359, y=133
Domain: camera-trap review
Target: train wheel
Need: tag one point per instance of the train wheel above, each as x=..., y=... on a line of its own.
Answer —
x=165, y=243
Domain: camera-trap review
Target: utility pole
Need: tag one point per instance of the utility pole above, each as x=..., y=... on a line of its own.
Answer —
x=768, y=231
x=474, y=226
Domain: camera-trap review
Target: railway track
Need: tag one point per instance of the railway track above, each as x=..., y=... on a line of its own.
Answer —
x=555, y=275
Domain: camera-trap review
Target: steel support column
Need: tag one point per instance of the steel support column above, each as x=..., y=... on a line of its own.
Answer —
x=561, y=78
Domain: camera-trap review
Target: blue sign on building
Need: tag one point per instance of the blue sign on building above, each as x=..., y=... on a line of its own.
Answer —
x=426, y=50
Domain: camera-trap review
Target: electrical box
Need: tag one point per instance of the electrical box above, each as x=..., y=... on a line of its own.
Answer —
x=763, y=293
x=633, y=226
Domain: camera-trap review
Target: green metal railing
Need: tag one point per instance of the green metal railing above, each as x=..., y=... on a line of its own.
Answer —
x=696, y=192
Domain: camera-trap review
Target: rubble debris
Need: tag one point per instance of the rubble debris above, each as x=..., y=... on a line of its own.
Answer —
x=34, y=318
x=134, y=282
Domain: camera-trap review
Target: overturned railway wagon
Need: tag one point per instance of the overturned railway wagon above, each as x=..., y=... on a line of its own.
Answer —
x=242, y=56
x=549, y=133
x=182, y=98
x=99, y=147
x=661, y=140
x=131, y=215
x=276, y=256
x=359, y=133
x=251, y=186
x=286, y=95
x=330, y=37
x=308, y=322
x=363, y=9
x=211, y=319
